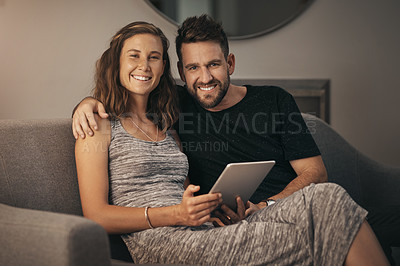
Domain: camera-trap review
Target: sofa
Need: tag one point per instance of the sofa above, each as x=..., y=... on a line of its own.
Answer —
x=41, y=219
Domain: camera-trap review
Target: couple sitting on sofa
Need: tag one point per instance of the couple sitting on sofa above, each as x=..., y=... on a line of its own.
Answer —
x=134, y=180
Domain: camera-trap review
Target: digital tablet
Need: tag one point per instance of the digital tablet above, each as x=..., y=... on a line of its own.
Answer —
x=241, y=179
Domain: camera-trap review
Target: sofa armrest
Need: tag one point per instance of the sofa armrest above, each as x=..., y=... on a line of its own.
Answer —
x=371, y=184
x=32, y=237
x=380, y=183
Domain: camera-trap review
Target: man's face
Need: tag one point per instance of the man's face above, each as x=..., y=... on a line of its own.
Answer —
x=206, y=72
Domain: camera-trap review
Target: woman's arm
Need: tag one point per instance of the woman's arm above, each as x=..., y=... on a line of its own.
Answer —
x=92, y=167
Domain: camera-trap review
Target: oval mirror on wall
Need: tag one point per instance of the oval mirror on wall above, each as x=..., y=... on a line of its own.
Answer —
x=240, y=18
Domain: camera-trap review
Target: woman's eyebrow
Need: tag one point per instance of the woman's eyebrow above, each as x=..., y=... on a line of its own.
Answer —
x=138, y=51
x=134, y=50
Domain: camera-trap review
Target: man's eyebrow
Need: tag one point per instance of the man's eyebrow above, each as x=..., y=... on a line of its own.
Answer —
x=191, y=65
x=218, y=61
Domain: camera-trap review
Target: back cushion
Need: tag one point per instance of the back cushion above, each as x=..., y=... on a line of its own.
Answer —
x=37, y=165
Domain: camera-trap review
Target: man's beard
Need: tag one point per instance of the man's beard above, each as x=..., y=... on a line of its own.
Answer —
x=223, y=89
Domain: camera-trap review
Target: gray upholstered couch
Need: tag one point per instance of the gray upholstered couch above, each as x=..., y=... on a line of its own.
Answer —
x=41, y=219
x=40, y=211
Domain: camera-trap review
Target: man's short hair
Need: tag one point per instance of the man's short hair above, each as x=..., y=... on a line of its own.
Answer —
x=201, y=29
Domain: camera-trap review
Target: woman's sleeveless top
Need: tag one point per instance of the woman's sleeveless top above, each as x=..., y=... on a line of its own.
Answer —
x=144, y=173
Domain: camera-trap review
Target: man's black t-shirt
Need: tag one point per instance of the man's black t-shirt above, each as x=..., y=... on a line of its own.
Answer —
x=265, y=125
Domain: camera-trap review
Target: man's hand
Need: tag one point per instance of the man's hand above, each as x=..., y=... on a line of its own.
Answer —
x=252, y=208
x=226, y=216
x=84, y=116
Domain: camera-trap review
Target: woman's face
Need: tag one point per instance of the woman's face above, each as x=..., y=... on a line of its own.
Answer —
x=141, y=63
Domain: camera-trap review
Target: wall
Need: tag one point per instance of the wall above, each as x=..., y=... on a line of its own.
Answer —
x=355, y=44
x=48, y=49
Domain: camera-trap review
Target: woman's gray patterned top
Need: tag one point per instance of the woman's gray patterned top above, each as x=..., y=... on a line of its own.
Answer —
x=143, y=173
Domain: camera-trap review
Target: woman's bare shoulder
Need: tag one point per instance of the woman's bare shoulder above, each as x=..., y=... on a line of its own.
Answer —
x=101, y=135
x=103, y=124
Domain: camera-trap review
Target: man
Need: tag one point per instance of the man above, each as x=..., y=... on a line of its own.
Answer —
x=222, y=123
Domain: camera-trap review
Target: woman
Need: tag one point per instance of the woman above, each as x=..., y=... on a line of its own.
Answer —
x=132, y=177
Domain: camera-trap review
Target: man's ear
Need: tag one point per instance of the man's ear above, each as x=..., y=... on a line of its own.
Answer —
x=180, y=70
x=231, y=63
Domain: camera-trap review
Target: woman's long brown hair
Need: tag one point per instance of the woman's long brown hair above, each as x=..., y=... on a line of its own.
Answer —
x=162, y=106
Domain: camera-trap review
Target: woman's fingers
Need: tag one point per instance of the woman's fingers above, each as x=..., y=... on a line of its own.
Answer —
x=190, y=190
x=208, y=205
x=189, y=197
x=197, y=209
x=201, y=213
x=200, y=203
